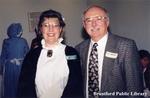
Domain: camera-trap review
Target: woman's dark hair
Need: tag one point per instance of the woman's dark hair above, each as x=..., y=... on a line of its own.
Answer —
x=51, y=14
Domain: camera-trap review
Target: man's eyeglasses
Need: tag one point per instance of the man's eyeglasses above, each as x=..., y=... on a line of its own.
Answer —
x=98, y=19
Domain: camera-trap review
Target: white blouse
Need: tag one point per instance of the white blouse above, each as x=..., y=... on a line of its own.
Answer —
x=52, y=72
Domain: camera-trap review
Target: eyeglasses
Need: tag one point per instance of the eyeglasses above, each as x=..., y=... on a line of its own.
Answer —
x=98, y=19
x=56, y=26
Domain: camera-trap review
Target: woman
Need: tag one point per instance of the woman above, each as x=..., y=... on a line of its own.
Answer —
x=14, y=50
x=51, y=70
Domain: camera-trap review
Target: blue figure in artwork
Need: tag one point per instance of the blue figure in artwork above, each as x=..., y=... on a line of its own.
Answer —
x=13, y=52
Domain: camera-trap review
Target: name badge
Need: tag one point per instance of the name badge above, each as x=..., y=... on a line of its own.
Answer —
x=111, y=55
x=71, y=57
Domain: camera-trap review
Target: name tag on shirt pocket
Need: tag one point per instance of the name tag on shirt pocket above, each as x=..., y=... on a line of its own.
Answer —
x=71, y=57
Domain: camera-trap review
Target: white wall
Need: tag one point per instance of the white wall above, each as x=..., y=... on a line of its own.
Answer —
x=129, y=18
x=16, y=11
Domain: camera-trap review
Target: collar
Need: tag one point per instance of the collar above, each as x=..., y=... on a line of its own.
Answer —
x=101, y=41
x=54, y=46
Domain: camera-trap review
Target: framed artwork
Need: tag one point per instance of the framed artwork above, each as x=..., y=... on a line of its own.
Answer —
x=33, y=18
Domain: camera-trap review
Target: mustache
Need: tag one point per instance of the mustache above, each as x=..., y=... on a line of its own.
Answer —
x=94, y=29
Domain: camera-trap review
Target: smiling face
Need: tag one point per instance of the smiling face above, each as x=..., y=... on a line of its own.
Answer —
x=96, y=22
x=51, y=30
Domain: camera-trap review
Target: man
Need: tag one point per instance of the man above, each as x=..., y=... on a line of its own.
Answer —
x=145, y=63
x=119, y=72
